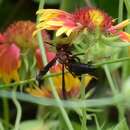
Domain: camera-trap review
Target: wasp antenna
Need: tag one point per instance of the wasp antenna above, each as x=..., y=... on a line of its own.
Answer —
x=49, y=43
x=39, y=80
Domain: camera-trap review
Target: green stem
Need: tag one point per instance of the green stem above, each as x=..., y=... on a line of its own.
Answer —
x=120, y=11
x=113, y=88
x=64, y=4
x=1, y=126
x=84, y=114
x=57, y=74
x=125, y=66
x=28, y=81
x=90, y=103
x=114, y=91
x=6, y=114
x=88, y=2
x=127, y=4
x=44, y=60
x=111, y=61
x=19, y=111
x=40, y=112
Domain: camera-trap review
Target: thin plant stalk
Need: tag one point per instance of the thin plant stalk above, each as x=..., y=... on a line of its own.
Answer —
x=1, y=126
x=84, y=114
x=111, y=61
x=6, y=115
x=114, y=91
x=88, y=2
x=101, y=102
x=125, y=66
x=127, y=4
x=18, y=109
x=22, y=82
x=120, y=11
x=67, y=5
x=44, y=60
x=40, y=112
x=64, y=4
x=57, y=74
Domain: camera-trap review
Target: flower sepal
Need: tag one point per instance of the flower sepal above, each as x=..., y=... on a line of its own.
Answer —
x=93, y=47
x=114, y=41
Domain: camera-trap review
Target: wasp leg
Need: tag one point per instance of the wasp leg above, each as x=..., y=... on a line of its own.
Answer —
x=76, y=59
x=63, y=82
x=45, y=70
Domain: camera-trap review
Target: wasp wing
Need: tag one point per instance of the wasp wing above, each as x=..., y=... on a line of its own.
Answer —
x=79, y=68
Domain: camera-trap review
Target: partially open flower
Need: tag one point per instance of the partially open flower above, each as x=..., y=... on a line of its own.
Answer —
x=9, y=62
x=18, y=46
x=20, y=33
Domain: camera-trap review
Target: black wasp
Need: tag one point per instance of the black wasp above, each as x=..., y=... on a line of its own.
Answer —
x=69, y=61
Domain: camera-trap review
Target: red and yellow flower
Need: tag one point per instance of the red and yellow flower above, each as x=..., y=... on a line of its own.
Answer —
x=89, y=18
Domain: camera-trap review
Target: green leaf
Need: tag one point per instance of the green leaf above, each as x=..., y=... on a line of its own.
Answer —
x=37, y=125
x=31, y=124
x=117, y=44
x=66, y=103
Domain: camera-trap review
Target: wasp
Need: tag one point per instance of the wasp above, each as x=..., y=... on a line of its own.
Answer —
x=69, y=61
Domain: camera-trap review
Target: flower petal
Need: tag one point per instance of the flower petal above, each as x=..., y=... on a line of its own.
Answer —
x=92, y=18
x=50, y=56
x=119, y=26
x=46, y=14
x=124, y=36
x=61, y=30
x=2, y=38
x=9, y=62
x=53, y=19
x=39, y=92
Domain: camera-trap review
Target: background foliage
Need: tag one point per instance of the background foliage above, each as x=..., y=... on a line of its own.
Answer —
x=103, y=114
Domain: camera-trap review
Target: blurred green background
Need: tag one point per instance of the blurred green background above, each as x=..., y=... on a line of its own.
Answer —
x=14, y=10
